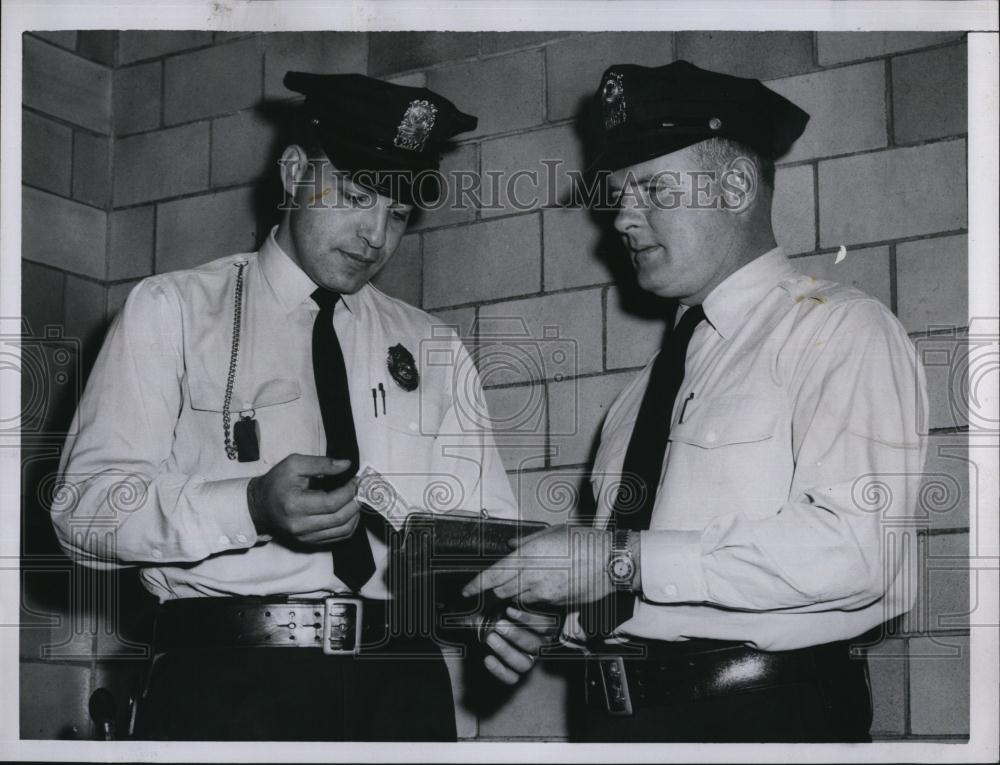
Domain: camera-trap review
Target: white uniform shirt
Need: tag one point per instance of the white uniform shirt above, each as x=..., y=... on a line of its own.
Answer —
x=147, y=479
x=785, y=513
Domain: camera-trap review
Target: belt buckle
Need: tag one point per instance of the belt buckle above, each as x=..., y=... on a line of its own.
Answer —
x=617, y=698
x=342, y=626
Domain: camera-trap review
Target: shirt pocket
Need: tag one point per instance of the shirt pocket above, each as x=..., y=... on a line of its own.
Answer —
x=728, y=455
x=210, y=396
x=714, y=423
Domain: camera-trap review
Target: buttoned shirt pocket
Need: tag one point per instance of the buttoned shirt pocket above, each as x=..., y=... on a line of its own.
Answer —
x=725, y=447
x=267, y=401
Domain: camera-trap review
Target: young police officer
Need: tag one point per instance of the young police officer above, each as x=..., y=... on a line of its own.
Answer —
x=223, y=425
x=744, y=543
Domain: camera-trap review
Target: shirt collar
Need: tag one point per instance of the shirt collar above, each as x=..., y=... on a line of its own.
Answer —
x=290, y=284
x=727, y=306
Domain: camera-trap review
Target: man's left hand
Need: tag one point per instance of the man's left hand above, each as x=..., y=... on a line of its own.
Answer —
x=560, y=566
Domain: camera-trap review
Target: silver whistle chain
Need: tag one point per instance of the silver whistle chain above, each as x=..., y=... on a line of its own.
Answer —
x=233, y=356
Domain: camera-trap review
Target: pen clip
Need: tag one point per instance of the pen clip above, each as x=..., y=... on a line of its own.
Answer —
x=375, y=401
x=684, y=406
x=381, y=390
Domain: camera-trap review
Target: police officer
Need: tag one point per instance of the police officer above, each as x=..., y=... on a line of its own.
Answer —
x=739, y=544
x=218, y=443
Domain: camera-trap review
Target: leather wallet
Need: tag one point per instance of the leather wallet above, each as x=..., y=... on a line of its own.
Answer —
x=440, y=553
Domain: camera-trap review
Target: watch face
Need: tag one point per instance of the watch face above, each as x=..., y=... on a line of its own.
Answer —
x=622, y=568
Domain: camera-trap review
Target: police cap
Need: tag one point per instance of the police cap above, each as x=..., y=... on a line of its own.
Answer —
x=388, y=137
x=644, y=112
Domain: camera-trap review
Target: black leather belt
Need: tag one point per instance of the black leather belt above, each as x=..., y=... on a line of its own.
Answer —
x=337, y=625
x=653, y=673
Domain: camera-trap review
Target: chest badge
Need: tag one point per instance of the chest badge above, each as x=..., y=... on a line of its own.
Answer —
x=403, y=368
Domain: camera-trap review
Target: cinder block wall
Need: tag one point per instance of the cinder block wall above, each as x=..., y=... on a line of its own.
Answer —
x=143, y=154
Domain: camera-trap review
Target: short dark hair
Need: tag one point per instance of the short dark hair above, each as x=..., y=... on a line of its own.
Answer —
x=715, y=152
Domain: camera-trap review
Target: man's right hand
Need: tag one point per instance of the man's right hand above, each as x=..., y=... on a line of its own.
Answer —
x=281, y=502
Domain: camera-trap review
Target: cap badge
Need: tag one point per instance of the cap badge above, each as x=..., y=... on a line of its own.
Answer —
x=417, y=124
x=403, y=367
x=613, y=100
x=715, y=123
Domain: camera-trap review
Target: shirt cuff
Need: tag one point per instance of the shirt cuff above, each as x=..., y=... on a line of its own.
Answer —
x=670, y=562
x=234, y=526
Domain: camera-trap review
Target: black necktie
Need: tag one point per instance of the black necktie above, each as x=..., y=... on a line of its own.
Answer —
x=353, y=562
x=643, y=465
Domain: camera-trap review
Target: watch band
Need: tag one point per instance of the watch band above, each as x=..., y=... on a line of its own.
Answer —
x=621, y=563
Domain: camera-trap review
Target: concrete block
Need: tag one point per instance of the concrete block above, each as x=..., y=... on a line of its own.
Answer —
x=563, y=337
x=54, y=701
x=553, y=496
x=506, y=92
x=939, y=685
x=137, y=97
x=576, y=413
x=793, y=210
x=945, y=358
x=461, y=320
x=572, y=249
x=402, y=276
x=62, y=233
x=887, y=672
x=84, y=311
x=846, y=109
x=41, y=296
x=484, y=261
x=199, y=229
x=763, y=55
x=930, y=94
x=518, y=420
x=949, y=494
x=130, y=248
x=65, y=38
x=946, y=582
x=574, y=66
x=391, y=52
x=161, y=164
x=141, y=44
x=411, y=80
x=536, y=708
x=932, y=283
x=530, y=170
x=244, y=148
x=888, y=194
x=460, y=170
x=66, y=86
x=117, y=295
x=98, y=44
x=634, y=329
x=91, y=169
x=866, y=269
x=497, y=42
x=327, y=52
x=46, y=152
x=217, y=80
x=837, y=47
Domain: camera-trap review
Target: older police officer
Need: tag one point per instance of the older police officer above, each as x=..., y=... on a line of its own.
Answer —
x=737, y=547
x=234, y=404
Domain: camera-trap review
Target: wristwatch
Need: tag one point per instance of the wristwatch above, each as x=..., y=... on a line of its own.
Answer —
x=621, y=564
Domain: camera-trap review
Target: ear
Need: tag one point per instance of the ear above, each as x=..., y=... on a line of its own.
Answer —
x=740, y=184
x=294, y=165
